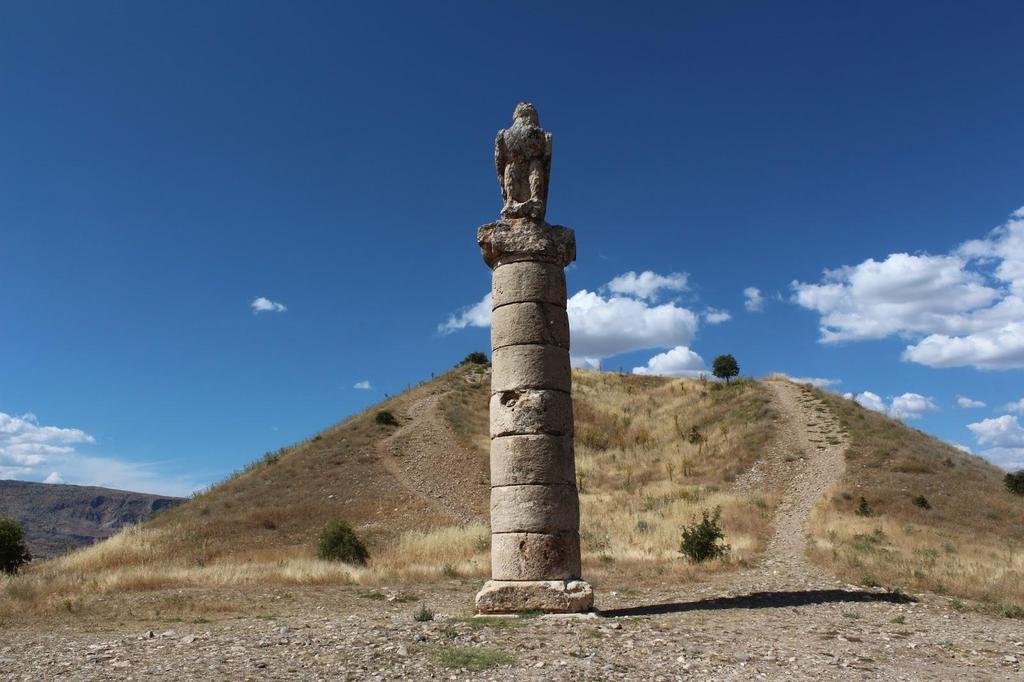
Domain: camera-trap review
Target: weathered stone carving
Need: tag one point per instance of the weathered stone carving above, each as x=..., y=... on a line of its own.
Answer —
x=522, y=157
x=535, y=543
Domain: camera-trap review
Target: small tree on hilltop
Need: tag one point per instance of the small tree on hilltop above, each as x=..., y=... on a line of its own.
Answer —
x=13, y=551
x=725, y=367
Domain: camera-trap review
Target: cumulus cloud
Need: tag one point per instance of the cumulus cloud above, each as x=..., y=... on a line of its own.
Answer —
x=678, y=362
x=871, y=401
x=648, y=284
x=1004, y=438
x=476, y=315
x=716, y=316
x=754, y=300
x=964, y=308
x=903, y=407
x=29, y=450
x=604, y=325
x=261, y=304
x=817, y=382
x=910, y=406
x=969, y=403
x=362, y=385
x=1015, y=407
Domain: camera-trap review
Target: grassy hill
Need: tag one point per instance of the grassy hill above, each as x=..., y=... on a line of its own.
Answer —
x=652, y=454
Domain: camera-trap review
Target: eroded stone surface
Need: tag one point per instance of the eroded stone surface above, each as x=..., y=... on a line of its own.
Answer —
x=534, y=323
x=532, y=459
x=534, y=509
x=525, y=281
x=533, y=366
x=531, y=411
x=553, y=596
x=508, y=241
x=535, y=556
x=522, y=158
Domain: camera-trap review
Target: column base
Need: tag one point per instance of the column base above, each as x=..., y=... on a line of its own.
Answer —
x=550, y=596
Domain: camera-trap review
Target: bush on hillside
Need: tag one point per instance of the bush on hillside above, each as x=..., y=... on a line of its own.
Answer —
x=339, y=542
x=701, y=540
x=1015, y=482
x=475, y=358
x=922, y=502
x=863, y=507
x=385, y=418
x=13, y=551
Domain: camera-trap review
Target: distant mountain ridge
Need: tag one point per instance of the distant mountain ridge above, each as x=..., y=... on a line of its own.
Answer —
x=56, y=517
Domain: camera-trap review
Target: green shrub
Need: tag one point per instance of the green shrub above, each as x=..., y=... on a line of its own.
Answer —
x=922, y=502
x=385, y=418
x=423, y=615
x=863, y=508
x=1015, y=482
x=13, y=551
x=475, y=358
x=338, y=542
x=701, y=539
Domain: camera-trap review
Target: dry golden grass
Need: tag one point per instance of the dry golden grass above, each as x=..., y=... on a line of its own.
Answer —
x=968, y=544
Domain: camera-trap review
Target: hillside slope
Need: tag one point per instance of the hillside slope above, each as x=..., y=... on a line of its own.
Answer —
x=57, y=517
x=653, y=453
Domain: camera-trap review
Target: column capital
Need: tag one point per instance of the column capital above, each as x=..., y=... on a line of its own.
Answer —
x=512, y=241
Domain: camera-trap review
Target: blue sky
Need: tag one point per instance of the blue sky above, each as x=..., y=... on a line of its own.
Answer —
x=165, y=165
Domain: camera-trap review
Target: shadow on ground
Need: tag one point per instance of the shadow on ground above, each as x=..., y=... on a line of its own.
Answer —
x=762, y=600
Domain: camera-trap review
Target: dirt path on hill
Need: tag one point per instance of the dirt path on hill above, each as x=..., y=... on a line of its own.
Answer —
x=410, y=456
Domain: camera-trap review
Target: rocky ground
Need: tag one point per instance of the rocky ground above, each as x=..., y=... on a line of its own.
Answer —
x=780, y=620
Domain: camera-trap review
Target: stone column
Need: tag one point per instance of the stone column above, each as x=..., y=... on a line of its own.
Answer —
x=535, y=545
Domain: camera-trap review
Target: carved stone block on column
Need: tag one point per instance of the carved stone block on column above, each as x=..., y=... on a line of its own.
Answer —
x=535, y=556
x=534, y=509
x=538, y=460
x=518, y=367
x=534, y=323
x=524, y=281
x=531, y=411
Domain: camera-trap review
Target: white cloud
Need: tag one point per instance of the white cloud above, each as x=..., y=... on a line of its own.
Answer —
x=817, y=382
x=969, y=403
x=1005, y=437
x=716, y=316
x=910, y=406
x=265, y=305
x=28, y=451
x=476, y=315
x=964, y=308
x=961, y=447
x=1004, y=431
x=871, y=401
x=904, y=407
x=754, y=300
x=362, y=385
x=604, y=326
x=647, y=284
x=678, y=362
x=1015, y=407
